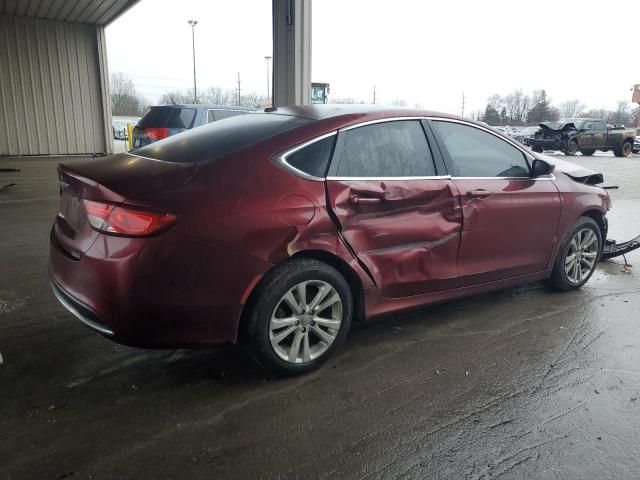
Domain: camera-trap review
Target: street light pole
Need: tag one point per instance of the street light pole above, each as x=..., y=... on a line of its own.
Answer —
x=193, y=24
x=267, y=58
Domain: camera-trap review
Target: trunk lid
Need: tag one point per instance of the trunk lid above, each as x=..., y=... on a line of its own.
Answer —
x=117, y=179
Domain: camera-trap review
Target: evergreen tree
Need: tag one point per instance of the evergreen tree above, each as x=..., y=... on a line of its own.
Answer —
x=491, y=115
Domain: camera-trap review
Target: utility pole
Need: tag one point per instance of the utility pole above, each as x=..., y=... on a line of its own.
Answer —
x=193, y=24
x=374, y=94
x=239, y=88
x=463, y=103
x=268, y=58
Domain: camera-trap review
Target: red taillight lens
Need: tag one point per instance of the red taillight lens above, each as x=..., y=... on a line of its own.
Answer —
x=120, y=220
x=156, y=133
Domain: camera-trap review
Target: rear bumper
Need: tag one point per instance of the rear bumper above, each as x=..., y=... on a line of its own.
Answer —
x=165, y=291
x=82, y=312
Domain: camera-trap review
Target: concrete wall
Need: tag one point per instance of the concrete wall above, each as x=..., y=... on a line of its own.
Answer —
x=53, y=88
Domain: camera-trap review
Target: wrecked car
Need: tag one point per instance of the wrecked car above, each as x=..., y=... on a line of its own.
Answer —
x=274, y=230
x=584, y=135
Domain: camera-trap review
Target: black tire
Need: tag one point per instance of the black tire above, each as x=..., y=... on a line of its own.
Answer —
x=587, y=152
x=572, y=148
x=537, y=149
x=559, y=279
x=624, y=150
x=268, y=296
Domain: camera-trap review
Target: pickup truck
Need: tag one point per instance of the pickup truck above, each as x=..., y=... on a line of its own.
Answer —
x=584, y=135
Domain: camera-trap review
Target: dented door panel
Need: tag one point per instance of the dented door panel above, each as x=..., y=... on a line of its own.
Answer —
x=510, y=230
x=406, y=233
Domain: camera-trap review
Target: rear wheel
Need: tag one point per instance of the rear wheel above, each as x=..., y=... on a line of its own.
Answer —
x=300, y=316
x=588, y=151
x=572, y=147
x=537, y=149
x=624, y=150
x=578, y=255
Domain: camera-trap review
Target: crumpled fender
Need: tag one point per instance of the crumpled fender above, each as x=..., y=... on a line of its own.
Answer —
x=576, y=172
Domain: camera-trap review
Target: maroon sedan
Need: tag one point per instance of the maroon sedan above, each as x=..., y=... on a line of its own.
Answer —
x=277, y=229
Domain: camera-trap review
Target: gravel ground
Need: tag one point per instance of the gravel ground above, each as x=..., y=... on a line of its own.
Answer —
x=521, y=383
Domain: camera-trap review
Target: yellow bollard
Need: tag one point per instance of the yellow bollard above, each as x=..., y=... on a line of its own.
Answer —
x=130, y=136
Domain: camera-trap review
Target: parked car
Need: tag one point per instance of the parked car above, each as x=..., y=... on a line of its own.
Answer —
x=585, y=135
x=277, y=229
x=523, y=135
x=163, y=121
x=120, y=126
x=636, y=145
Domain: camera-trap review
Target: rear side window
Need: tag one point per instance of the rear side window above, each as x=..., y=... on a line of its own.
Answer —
x=217, y=139
x=313, y=159
x=388, y=149
x=473, y=152
x=168, y=117
x=214, y=115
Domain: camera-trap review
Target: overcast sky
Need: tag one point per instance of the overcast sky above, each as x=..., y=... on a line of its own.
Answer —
x=426, y=53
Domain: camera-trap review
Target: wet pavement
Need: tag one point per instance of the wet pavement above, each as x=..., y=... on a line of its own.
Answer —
x=521, y=383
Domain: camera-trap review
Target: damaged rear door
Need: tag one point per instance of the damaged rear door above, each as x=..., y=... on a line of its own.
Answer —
x=398, y=213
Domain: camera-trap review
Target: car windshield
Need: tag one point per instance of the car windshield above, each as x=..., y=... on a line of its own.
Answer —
x=218, y=139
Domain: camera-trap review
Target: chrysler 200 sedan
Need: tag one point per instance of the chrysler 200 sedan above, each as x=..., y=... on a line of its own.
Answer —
x=276, y=229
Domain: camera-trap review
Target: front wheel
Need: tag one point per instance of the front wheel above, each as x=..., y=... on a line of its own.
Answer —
x=300, y=316
x=587, y=152
x=578, y=255
x=572, y=148
x=537, y=149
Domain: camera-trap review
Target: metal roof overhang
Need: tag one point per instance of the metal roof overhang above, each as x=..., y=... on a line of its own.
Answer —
x=94, y=12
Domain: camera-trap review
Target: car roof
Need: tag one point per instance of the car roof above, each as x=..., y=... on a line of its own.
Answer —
x=207, y=106
x=363, y=111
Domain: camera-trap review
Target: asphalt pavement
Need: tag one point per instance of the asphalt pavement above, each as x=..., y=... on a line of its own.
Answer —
x=520, y=383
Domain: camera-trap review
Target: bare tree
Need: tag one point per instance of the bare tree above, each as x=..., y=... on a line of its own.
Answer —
x=221, y=96
x=399, y=102
x=517, y=106
x=622, y=114
x=571, y=108
x=125, y=99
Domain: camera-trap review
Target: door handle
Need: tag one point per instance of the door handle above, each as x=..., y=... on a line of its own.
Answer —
x=479, y=193
x=358, y=200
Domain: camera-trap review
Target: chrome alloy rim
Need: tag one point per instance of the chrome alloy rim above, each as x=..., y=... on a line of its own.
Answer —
x=581, y=255
x=306, y=321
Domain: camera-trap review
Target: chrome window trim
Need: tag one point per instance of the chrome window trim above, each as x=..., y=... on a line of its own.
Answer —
x=148, y=158
x=379, y=120
x=347, y=179
x=529, y=179
x=281, y=158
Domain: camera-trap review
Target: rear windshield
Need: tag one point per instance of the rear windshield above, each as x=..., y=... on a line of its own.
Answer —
x=168, y=117
x=217, y=139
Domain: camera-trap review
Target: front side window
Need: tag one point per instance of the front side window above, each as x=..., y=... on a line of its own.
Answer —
x=387, y=149
x=473, y=152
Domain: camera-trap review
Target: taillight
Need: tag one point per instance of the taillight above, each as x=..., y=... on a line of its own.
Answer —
x=156, y=133
x=120, y=220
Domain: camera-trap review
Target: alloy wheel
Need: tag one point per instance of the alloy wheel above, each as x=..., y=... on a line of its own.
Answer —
x=581, y=256
x=306, y=321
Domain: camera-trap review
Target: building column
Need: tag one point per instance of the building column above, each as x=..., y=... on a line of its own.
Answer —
x=291, y=52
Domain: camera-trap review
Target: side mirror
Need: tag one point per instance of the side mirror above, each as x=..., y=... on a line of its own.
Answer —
x=540, y=168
